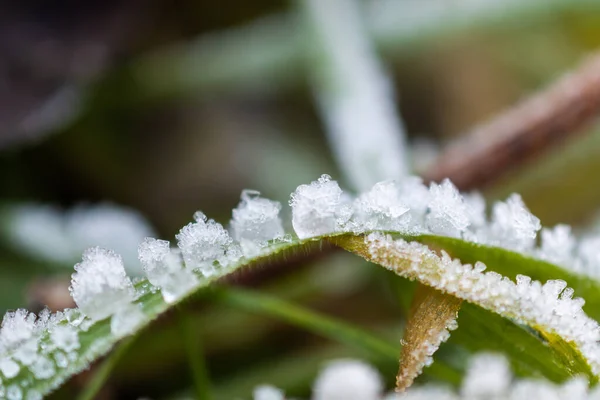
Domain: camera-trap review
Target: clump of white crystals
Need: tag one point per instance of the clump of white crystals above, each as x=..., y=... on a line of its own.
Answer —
x=164, y=269
x=513, y=226
x=203, y=244
x=255, y=222
x=267, y=392
x=348, y=380
x=100, y=285
x=549, y=306
x=381, y=208
x=318, y=208
x=447, y=210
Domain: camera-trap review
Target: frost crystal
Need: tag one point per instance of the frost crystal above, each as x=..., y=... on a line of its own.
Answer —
x=447, y=210
x=381, y=208
x=164, y=268
x=256, y=221
x=558, y=244
x=348, y=380
x=100, y=286
x=42, y=368
x=17, y=326
x=64, y=337
x=513, y=226
x=488, y=376
x=13, y=392
x=126, y=320
x=267, y=392
x=9, y=368
x=318, y=208
x=203, y=243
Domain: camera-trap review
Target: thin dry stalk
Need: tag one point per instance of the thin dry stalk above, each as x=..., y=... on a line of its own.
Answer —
x=516, y=136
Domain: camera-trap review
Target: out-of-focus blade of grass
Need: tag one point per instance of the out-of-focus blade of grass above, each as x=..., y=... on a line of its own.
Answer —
x=307, y=319
x=267, y=54
x=103, y=372
x=196, y=357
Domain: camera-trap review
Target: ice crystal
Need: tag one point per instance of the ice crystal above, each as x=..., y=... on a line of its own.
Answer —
x=513, y=226
x=164, y=269
x=204, y=243
x=447, y=210
x=64, y=337
x=255, y=222
x=318, y=208
x=488, y=376
x=126, y=320
x=267, y=392
x=381, y=208
x=9, y=367
x=348, y=380
x=100, y=286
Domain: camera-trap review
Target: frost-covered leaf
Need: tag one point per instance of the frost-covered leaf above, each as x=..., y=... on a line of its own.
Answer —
x=37, y=353
x=432, y=315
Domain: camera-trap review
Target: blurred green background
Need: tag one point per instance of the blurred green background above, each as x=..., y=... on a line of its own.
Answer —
x=168, y=107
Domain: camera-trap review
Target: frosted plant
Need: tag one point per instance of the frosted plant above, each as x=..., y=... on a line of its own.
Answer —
x=348, y=380
x=318, y=208
x=204, y=243
x=48, y=348
x=255, y=222
x=549, y=306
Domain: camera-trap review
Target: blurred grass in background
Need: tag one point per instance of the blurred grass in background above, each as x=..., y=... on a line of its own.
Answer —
x=171, y=107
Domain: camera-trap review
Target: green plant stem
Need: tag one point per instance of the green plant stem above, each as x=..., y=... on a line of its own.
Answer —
x=195, y=355
x=103, y=372
x=310, y=320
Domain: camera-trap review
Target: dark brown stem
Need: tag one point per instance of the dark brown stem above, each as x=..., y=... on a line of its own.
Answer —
x=519, y=134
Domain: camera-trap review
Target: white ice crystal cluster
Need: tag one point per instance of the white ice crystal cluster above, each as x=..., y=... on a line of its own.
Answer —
x=348, y=380
x=549, y=306
x=255, y=222
x=165, y=270
x=206, y=245
x=409, y=206
x=38, y=343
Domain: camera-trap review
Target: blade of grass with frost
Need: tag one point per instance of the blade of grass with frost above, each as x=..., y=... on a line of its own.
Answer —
x=38, y=353
x=354, y=95
x=432, y=315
